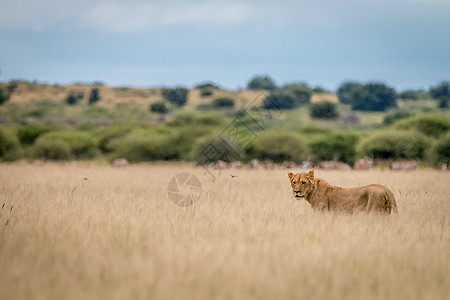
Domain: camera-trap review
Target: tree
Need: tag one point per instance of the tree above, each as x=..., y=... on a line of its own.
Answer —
x=432, y=125
x=94, y=96
x=12, y=86
x=395, y=145
x=176, y=96
x=443, y=103
x=413, y=95
x=280, y=145
x=373, y=96
x=73, y=98
x=261, y=83
x=320, y=90
x=207, y=84
x=302, y=92
x=280, y=99
x=288, y=97
x=334, y=146
x=324, y=110
x=4, y=96
x=159, y=107
x=441, y=151
x=223, y=103
x=207, y=88
x=346, y=90
x=441, y=91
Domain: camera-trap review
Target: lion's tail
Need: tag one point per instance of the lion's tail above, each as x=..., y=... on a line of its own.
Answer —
x=391, y=204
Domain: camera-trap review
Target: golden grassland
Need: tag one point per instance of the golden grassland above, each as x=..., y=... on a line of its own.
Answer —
x=115, y=235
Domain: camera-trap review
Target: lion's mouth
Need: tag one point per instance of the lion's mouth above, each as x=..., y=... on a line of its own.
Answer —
x=299, y=196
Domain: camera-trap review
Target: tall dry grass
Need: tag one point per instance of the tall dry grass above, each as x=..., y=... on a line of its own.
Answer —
x=117, y=236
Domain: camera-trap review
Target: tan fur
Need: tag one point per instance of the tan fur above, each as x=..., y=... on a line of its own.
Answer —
x=324, y=196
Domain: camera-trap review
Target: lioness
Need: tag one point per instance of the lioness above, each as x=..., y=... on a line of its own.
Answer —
x=324, y=196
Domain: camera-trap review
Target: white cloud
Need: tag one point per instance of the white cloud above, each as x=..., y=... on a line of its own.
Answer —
x=42, y=15
x=208, y=13
x=118, y=17
x=133, y=16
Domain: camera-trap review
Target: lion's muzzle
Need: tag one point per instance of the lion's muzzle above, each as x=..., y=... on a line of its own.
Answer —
x=298, y=195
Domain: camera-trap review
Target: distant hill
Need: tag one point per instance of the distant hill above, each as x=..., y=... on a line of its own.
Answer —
x=25, y=92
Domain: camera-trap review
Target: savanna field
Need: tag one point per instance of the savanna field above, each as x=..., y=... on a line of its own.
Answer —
x=90, y=231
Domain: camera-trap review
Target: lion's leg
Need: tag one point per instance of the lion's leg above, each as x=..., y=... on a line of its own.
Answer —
x=378, y=202
x=392, y=202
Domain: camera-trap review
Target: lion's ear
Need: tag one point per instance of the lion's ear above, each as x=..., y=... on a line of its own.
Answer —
x=290, y=175
x=310, y=174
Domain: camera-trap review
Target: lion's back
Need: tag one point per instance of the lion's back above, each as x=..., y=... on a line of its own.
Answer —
x=380, y=198
x=372, y=197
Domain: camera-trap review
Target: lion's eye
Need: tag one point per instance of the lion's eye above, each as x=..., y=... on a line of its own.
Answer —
x=303, y=182
x=293, y=182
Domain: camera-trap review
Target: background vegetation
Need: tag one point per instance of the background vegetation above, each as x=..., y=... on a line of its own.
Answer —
x=294, y=122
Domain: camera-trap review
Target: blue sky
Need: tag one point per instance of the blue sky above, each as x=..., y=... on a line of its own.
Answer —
x=405, y=43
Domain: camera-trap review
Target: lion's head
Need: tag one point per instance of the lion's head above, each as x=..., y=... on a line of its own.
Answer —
x=302, y=184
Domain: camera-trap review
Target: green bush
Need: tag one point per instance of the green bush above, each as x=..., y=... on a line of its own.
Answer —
x=441, y=150
x=44, y=109
x=280, y=99
x=155, y=143
x=302, y=92
x=52, y=149
x=288, y=97
x=159, y=107
x=97, y=113
x=176, y=96
x=210, y=149
x=4, y=96
x=223, y=103
x=207, y=88
x=94, y=97
x=28, y=134
x=73, y=97
x=106, y=134
x=279, y=146
x=206, y=91
x=320, y=90
x=81, y=144
x=207, y=84
x=395, y=145
x=441, y=91
x=184, y=119
x=324, y=110
x=12, y=86
x=374, y=96
x=315, y=130
x=334, y=146
x=346, y=91
x=429, y=124
x=263, y=82
x=393, y=116
x=413, y=95
x=443, y=103
x=9, y=146
x=186, y=139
